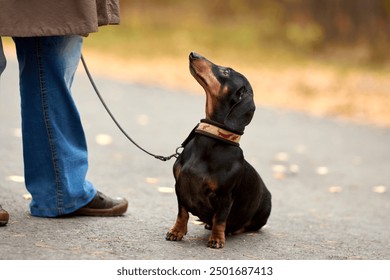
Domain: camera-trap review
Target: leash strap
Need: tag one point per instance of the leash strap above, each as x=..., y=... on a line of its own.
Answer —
x=162, y=158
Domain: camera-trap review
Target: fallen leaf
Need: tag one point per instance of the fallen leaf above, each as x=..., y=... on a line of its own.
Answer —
x=27, y=196
x=143, y=120
x=294, y=168
x=282, y=156
x=322, y=170
x=15, y=178
x=17, y=132
x=166, y=190
x=379, y=189
x=103, y=139
x=279, y=168
x=335, y=189
x=151, y=180
x=279, y=176
x=279, y=171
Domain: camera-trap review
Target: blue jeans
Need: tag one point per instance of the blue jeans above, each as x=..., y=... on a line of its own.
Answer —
x=54, y=145
x=3, y=61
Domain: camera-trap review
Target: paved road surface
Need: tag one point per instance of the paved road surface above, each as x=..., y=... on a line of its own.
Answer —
x=329, y=180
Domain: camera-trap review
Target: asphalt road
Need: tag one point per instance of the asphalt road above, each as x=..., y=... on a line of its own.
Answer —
x=329, y=180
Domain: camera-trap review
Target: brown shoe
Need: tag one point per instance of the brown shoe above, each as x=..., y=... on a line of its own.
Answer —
x=4, y=216
x=102, y=205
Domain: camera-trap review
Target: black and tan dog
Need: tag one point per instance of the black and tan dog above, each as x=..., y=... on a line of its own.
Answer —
x=213, y=180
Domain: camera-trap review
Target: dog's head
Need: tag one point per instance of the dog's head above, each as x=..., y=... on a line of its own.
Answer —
x=229, y=96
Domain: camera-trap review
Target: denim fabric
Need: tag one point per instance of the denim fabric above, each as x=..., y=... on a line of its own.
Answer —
x=54, y=146
x=3, y=61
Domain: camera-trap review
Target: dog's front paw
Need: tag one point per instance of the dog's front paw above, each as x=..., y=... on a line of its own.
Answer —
x=174, y=235
x=216, y=243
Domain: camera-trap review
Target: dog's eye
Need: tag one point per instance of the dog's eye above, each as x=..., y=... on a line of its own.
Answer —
x=240, y=93
x=226, y=71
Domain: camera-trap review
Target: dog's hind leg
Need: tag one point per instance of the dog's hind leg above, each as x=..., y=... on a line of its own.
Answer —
x=177, y=232
x=261, y=216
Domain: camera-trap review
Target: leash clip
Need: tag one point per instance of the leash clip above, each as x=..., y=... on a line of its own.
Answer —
x=175, y=155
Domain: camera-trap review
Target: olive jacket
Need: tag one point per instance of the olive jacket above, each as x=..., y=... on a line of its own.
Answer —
x=29, y=18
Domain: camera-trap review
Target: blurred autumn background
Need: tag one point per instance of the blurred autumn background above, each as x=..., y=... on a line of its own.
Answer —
x=324, y=57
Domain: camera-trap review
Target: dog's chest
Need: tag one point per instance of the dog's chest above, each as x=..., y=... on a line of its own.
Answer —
x=196, y=186
x=204, y=168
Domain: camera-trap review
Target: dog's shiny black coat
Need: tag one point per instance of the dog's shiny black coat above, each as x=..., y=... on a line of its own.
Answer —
x=213, y=180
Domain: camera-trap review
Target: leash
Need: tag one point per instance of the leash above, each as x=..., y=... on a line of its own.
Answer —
x=162, y=158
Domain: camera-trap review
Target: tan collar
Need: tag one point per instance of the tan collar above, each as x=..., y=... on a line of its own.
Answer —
x=218, y=133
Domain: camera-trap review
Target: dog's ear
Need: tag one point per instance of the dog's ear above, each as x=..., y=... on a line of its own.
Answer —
x=242, y=112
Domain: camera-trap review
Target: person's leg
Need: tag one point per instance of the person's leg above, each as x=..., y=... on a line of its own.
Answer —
x=3, y=61
x=4, y=216
x=54, y=145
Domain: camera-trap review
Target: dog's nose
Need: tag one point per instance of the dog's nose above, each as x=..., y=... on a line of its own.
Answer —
x=194, y=55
